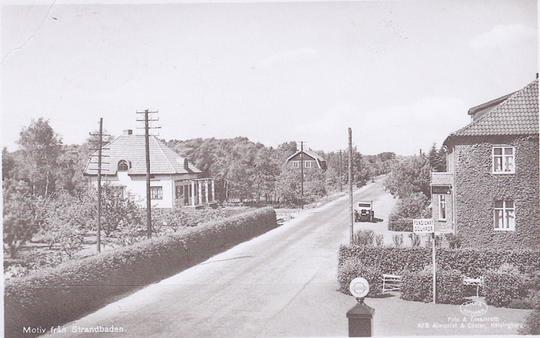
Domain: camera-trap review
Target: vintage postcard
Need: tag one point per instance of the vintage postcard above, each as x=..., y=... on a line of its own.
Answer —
x=250, y=169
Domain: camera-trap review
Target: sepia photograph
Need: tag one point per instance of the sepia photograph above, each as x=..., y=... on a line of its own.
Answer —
x=270, y=168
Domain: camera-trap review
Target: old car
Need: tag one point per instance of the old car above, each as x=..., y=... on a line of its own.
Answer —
x=363, y=212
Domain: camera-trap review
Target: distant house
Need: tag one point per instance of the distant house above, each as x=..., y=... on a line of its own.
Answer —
x=490, y=193
x=311, y=160
x=174, y=181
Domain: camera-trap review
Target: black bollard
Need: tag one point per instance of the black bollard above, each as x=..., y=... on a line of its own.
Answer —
x=360, y=319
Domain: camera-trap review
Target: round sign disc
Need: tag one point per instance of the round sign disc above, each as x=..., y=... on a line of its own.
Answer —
x=359, y=287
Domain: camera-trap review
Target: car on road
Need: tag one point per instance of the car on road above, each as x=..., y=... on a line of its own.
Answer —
x=363, y=212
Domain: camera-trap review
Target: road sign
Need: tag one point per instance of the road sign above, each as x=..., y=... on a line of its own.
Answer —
x=423, y=226
x=359, y=287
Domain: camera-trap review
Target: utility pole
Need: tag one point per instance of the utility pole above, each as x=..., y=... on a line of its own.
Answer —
x=351, y=202
x=340, y=175
x=147, y=128
x=99, y=148
x=302, y=173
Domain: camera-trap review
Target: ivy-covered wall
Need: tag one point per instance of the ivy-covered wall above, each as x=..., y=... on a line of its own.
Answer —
x=476, y=189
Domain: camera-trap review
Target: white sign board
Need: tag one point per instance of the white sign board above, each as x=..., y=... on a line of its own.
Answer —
x=359, y=287
x=423, y=226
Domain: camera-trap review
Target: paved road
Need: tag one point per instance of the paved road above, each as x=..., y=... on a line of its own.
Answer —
x=282, y=283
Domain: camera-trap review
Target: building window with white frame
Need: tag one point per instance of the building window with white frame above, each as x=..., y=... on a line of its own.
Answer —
x=442, y=207
x=504, y=160
x=504, y=215
x=296, y=164
x=308, y=164
x=156, y=193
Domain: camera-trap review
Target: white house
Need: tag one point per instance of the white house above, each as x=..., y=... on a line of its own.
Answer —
x=174, y=181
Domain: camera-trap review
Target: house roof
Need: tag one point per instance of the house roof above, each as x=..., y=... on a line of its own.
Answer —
x=131, y=148
x=309, y=152
x=515, y=115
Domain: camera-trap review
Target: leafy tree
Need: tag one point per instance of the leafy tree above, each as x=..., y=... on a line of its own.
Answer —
x=41, y=147
x=23, y=215
x=409, y=175
x=437, y=158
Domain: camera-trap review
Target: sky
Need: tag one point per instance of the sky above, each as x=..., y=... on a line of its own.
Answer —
x=401, y=74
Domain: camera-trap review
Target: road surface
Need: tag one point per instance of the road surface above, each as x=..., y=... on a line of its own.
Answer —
x=282, y=283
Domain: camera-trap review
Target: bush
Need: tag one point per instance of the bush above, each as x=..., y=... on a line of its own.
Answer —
x=379, y=239
x=363, y=237
x=353, y=268
x=398, y=240
x=418, y=286
x=502, y=287
x=54, y=296
x=396, y=223
x=532, y=323
x=415, y=240
x=470, y=262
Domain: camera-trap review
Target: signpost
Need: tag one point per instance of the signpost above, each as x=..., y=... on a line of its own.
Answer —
x=426, y=226
x=361, y=315
x=359, y=287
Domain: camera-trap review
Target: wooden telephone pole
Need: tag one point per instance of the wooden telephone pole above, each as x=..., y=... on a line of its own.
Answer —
x=302, y=173
x=147, y=128
x=340, y=165
x=98, y=144
x=351, y=202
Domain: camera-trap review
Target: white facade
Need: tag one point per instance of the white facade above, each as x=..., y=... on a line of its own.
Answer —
x=166, y=194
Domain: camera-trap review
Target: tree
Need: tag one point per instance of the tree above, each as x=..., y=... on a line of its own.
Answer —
x=409, y=175
x=437, y=158
x=8, y=164
x=23, y=215
x=41, y=147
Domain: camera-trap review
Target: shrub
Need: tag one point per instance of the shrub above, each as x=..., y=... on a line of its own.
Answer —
x=363, y=237
x=418, y=286
x=56, y=295
x=396, y=223
x=415, y=240
x=353, y=268
x=379, y=239
x=398, y=240
x=502, y=287
x=471, y=262
x=454, y=241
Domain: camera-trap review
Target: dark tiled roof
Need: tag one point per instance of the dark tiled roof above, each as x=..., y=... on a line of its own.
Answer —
x=517, y=115
x=131, y=148
x=310, y=153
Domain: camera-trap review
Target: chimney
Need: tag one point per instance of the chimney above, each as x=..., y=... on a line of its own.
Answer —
x=186, y=165
x=128, y=132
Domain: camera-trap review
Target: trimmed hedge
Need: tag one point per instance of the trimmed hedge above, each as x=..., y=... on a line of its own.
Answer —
x=353, y=268
x=501, y=288
x=57, y=295
x=396, y=223
x=471, y=262
x=418, y=286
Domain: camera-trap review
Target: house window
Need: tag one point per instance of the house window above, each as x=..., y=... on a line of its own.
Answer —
x=123, y=165
x=504, y=160
x=308, y=164
x=156, y=193
x=442, y=207
x=296, y=164
x=505, y=215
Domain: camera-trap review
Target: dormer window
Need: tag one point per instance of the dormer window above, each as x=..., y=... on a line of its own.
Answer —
x=123, y=165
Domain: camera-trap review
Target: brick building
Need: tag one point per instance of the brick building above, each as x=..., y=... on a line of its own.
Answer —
x=490, y=193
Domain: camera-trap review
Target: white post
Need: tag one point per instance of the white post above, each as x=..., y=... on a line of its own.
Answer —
x=213, y=191
x=434, y=270
x=200, y=192
x=192, y=193
x=206, y=190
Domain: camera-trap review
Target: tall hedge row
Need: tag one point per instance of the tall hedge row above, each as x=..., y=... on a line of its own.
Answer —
x=57, y=295
x=471, y=262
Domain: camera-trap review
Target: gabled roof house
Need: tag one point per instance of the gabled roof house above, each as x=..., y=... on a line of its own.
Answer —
x=174, y=180
x=490, y=192
x=310, y=158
